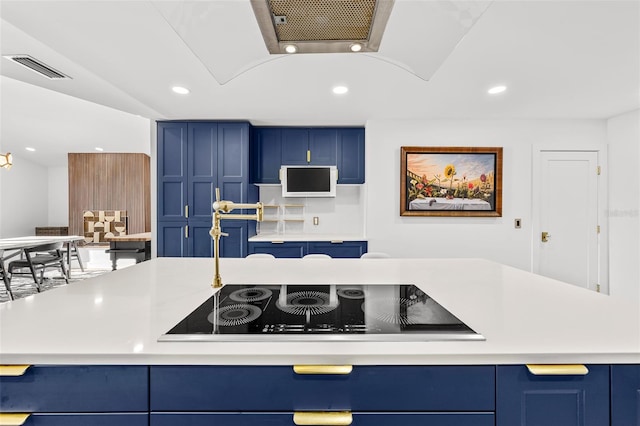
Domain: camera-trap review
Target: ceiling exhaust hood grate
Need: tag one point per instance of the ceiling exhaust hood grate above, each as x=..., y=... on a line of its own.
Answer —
x=37, y=66
x=322, y=26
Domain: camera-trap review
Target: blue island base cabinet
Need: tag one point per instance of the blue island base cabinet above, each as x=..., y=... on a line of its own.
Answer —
x=625, y=395
x=86, y=419
x=524, y=399
x=286, y=419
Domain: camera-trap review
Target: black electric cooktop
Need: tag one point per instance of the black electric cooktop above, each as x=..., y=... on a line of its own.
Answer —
x=320, y=312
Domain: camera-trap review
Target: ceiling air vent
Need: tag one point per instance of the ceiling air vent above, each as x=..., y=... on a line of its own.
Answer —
x=37, y=66
x=322, y=26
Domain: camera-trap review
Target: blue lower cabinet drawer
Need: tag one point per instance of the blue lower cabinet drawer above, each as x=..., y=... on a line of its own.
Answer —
x=526, y=399
x=76, y=389
x=625, y=395
x=289, y=249
x=286, y=419
x=102, y=419
x=279, y=388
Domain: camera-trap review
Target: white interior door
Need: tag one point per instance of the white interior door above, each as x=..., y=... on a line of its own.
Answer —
x=568, y=214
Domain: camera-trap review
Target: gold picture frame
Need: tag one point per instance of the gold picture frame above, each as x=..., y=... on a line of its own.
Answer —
x=451, y=181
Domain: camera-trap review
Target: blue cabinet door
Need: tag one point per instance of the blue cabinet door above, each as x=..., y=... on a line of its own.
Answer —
x=289, y=249
x=172, y=171
x=97, y=419
x=286, y=419
x=202, y=169
x=233, y=162
x=323, y=147
x=171, y=239
x=295, y=143
x=199, y=241
x=76, y=389
x=524, y=399
x=266, y=155
x=337, y=250
x=625, y=395
x=234, y=244
x=350, y=156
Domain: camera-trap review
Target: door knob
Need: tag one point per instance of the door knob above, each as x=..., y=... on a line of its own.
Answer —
x=545, y=237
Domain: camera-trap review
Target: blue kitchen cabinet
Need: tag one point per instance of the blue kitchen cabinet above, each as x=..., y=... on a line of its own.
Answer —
x=297, y=249
x=273, y=147
x=211, y=155
x=97, y=419
x=172, y=171
x=351, y=156
x=289, y=249
x=295, y=144
x=389, y=388
x=266, y=155
x=323, y=147
x=625, y=395
x=359, y=419
x=173, y=239
x=78, y=395
x=338, y=249
x=524, y=399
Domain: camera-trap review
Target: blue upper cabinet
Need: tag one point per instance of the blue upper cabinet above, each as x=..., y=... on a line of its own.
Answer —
x=351, y=156
x=273, y=147
x=295, y=144
x=194, y=158
x=266, y=155
x=323, y=147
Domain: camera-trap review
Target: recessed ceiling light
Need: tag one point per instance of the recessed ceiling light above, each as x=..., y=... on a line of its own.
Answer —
x=340, y=90
x=497, y=89
x=180, y=90
x=28, y=148
x=291, y=48
x=97, y=148
x=355, y=47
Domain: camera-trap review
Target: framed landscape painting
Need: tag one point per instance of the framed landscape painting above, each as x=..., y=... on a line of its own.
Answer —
x=451, y=181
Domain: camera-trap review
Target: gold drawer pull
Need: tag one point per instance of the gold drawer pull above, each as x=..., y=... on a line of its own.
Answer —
x=558, y=369
x=322, y=369
x=13, y=419
x=328, y=418
x=13, y=370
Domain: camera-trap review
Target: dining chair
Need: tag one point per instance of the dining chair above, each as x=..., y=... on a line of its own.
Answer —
x=316, y=256
x=375, y=255
x=5, y=278
x=38, y=259
x=72, y=251
x=261, y=256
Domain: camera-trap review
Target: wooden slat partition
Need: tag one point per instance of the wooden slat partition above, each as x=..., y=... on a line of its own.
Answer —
x=110, y=182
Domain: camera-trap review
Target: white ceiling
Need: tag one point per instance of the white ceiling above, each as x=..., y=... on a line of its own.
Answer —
x=559, y=59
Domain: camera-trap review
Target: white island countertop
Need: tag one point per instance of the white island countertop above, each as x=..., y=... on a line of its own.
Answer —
x=117, y=318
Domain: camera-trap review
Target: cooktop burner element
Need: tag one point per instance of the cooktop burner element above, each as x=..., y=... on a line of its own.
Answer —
x=232, y=315
x=307, y=302
x=389, y=312
x=351, y=293
x=254, y=294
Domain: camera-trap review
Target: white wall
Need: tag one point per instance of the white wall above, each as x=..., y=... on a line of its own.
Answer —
x=623, y=133
x=24, y=199
x=442, y=237
x=58, y=196
x=340, y=216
